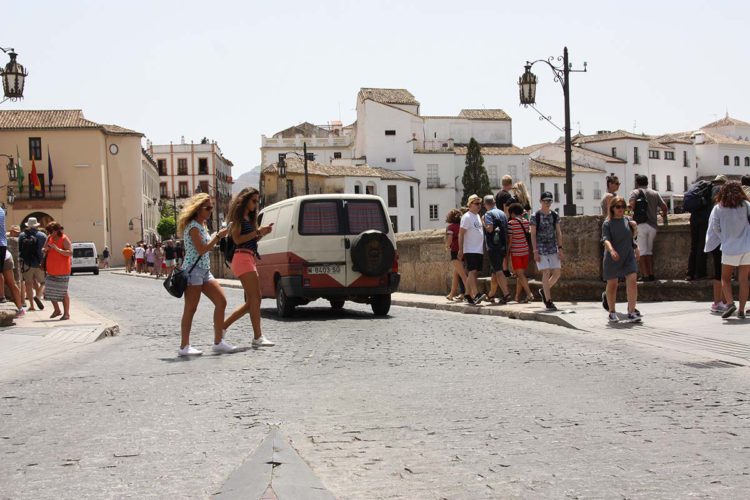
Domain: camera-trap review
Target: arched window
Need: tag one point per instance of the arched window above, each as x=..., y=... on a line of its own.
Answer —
x=747, y=161
x=726, y=160
x=736, y=161
x=358, y=188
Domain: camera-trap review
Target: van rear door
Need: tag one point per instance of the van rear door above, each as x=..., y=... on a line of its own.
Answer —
x=360, y=216
x=320, y=227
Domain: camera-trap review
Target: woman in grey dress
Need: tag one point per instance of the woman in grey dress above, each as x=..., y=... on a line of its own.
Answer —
x=620, y=258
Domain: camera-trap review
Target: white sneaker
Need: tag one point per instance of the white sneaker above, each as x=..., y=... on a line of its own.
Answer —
x=224, y=347
x=189, y=350
x=262, y=341
x=613, y=318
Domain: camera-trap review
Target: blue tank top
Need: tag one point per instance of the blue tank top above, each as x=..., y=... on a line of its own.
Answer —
x=248, y=227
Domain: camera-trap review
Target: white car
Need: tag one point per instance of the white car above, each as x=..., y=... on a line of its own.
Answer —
x=337, y=247
x=85, y=258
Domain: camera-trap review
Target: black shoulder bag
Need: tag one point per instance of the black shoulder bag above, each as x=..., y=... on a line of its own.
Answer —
x=177, y=281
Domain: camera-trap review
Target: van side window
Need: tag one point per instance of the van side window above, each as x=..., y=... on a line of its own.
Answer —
x=319, y=217
x=365, y=215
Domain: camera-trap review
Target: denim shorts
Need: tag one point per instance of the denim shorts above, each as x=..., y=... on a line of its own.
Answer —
x=199, y=276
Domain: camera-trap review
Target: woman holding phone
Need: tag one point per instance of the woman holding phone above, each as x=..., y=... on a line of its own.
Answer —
x=243, y=226
x=192, y=224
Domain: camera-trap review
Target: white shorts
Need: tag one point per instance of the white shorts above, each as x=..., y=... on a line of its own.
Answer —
x=742, y=259
x=551, y=261
x=646, y=235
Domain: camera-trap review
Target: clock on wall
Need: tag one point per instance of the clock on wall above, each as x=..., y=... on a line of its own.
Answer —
x=113, y=149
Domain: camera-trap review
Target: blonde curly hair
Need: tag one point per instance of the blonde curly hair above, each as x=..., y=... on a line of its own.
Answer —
x=190, y=210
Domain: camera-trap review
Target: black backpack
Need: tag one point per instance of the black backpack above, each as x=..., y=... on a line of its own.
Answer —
x=538, y=218
x=227, y=247
x=29, y=249
x=697, y=197
x=640, y=213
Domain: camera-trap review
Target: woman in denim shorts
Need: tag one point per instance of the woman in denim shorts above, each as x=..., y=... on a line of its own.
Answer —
x=192, y=225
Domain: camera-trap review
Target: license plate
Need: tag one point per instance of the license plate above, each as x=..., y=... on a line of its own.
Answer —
x=325, y=269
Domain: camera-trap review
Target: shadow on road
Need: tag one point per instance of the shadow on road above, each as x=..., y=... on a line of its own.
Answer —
x=305, y=313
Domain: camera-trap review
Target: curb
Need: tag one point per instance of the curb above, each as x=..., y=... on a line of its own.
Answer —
x=552, y=319
x=489, y=311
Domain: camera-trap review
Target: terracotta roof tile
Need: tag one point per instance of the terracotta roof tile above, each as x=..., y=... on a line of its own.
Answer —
x=484, y=114
x=681, y=138
x=23, y=119
x=296, y=165
x=727, y=121
x=388, y=96
x=59, y=118
x=554, y=168
x=617, y=134
x=491, y=150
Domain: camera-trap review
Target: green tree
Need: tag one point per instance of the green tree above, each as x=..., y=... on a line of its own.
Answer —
x=475, y=179
x=166, y=227
x=167, y=209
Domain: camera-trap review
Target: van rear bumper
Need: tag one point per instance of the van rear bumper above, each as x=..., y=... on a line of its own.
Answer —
x=292, y=286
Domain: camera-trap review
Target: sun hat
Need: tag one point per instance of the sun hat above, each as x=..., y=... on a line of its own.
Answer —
x=472, y=199
x=32, y=222
x=721, y=178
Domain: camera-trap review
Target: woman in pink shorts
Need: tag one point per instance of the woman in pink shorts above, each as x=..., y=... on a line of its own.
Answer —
x=243, y=220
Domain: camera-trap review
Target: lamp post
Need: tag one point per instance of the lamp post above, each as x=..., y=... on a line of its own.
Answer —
x=14, y=76
x=527, y=90
x=130, y=224
x=305, y=156
x=12, y=176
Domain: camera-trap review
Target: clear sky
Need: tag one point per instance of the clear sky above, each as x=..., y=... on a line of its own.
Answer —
x=232, y=71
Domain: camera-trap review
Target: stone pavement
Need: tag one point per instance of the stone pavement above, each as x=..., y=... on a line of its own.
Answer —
x=420, y=404
x=683, y=326
x=36, y=337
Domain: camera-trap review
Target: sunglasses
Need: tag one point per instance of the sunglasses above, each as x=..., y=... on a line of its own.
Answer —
x=208, y=207
x=622, y=207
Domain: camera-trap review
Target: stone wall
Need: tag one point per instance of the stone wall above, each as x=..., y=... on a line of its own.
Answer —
x=424, y=262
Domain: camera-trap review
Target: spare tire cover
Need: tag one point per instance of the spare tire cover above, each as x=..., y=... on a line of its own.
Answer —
x=372, y=253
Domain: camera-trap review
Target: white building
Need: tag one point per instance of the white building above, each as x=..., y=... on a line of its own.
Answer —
x=185, y=169
x=325, y=142
x=391, y=133
x=149, y=197
x=723, y=147
x=400, y=191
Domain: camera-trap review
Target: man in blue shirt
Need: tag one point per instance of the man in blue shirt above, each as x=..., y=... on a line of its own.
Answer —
x=496, y=240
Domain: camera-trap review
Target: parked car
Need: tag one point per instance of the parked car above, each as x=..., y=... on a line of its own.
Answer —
x=85, y=258
x=337, y=247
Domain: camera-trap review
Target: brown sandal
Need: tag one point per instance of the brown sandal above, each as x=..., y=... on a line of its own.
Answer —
x=55, y=314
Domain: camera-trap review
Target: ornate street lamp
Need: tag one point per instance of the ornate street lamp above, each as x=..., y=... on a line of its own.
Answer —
x=14, y=76
x=527, y=92
x=12, y=172
x=527, y=86
x=130, y=224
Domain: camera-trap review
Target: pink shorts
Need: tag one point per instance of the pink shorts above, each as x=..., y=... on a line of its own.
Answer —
x=243, y=262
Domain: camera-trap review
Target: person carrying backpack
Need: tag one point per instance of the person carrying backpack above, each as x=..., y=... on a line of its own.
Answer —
x=30, y=245
x=698, y=202
x=245, y=233
x=645, y=203
x=546, y=241
x=496, y=241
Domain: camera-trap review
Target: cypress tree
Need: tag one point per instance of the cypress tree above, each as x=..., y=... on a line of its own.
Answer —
x=475, y=179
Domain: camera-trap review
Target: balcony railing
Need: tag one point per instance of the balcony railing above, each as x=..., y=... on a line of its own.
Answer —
x=54, y=192
x=434, y=182
x=296, y=142
x=436, y=145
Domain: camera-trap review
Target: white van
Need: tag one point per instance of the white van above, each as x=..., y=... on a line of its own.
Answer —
x=85, y=258
x=337, y=247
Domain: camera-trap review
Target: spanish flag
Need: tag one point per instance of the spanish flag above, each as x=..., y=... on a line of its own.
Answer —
x=35, y=178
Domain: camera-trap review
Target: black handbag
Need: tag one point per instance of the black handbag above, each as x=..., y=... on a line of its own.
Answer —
x=177, y=281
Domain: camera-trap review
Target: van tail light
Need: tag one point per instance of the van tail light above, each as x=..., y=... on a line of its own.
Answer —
x=395, y=264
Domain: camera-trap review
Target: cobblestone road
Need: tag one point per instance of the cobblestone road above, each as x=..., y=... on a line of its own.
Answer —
x=422, y=404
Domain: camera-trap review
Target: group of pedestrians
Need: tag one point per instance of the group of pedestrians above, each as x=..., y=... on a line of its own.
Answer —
x=245, y=232
x=156, y=260
x=509, y=234
x=36, y=264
